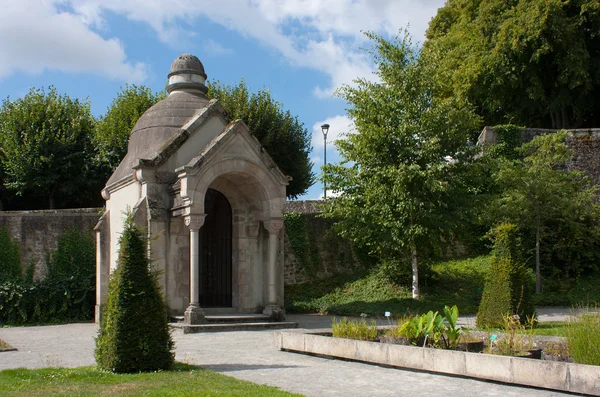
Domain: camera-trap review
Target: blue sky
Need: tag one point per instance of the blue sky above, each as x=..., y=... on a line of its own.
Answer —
x=302, y=50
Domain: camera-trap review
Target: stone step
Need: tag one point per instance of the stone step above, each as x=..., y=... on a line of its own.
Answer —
x=229, y=318
x=222, y=327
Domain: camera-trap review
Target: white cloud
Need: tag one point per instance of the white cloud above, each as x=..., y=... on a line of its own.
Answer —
x=324, y=35
x=36, y=36
x=339, y=128
x=213, y=47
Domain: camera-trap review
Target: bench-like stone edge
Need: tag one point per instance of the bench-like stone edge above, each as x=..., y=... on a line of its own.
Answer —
x=569, y=377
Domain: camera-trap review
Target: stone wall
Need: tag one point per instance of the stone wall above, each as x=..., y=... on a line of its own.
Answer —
x=585, y=144
x=38, y=231
x=325, y=254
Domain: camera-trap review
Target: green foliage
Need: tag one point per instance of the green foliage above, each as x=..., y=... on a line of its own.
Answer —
x=111, y=135
x=401, y=176
x=528, y=62
x=432, y=329
x=74, y=257
x=583, y=337
x=282, y=135
x=45, y=148
x=134, y=331
x=302, y=241
x=68, y=293
x=10, y=257
x=508, y=144
x=46, y=302
x=460, y=282
x=509, y=286
x=350, y=329
x=553, y=208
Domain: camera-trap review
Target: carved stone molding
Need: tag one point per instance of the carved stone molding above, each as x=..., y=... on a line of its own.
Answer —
x=273, y=226
x=194, y=222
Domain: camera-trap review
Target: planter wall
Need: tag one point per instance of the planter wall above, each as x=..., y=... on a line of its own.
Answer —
x=570, y=377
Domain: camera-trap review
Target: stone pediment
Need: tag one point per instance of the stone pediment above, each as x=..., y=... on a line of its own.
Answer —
x=234, y=142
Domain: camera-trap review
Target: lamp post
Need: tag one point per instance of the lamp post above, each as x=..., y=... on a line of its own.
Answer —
x=325, y=129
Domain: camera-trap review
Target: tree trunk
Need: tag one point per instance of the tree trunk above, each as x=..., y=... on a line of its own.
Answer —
x=565, y=118
x=51, y=201
x=415, y=273
x=538, y=282
x=553, y=118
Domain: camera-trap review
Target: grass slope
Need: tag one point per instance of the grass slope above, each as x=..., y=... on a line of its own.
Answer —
x=457, y=282
x=183, y=380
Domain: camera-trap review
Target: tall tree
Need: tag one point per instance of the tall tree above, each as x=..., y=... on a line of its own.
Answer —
x=112, y=131
x=283, y=135
x=45, y=146
x=401, y=182
x=528, y=62
x=543, y=198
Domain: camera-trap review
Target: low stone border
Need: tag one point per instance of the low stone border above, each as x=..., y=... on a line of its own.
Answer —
x=569, y=377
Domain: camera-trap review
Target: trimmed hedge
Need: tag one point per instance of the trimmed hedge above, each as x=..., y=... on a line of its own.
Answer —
x=509, y=285
x=134, y=331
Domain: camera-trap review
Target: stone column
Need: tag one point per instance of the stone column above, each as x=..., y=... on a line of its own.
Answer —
x=100, y=280
x=273, y=226
x=194, y=313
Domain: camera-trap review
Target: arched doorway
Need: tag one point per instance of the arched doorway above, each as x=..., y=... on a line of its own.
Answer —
x=215, y=252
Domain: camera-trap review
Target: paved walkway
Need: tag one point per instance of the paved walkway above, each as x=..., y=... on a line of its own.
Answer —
x=254, y=356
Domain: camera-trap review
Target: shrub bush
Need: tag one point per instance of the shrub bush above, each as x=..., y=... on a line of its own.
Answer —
x=10, y=257
x=354, y=329
x=509, y=285
x=134, y=331
x=67, y=293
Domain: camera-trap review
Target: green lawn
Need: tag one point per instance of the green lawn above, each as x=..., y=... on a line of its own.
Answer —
x=450, y=283
x=183, y=380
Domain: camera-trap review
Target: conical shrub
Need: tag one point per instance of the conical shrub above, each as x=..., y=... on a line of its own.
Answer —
x=509, y=285
x=134, y=330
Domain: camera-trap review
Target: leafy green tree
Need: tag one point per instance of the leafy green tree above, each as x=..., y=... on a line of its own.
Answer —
x=402, y=181
x=112, y=131
x=282, y=135
x=134, y=330
x=528, y=62
x=45, y=146
x=542, y=197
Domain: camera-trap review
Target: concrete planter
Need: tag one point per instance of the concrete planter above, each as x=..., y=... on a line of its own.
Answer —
x=569, y=377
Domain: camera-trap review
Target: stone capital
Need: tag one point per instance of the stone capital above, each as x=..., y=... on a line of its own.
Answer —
x=194, y=221
x=273, y=226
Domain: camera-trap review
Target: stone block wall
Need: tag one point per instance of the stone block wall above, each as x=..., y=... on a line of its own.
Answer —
x=585, y=144
x=326, y=254
x=38, y=231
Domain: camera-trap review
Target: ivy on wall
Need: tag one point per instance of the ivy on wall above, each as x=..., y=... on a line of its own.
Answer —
x=302, y=241
x=10, y=257
x=509, y=139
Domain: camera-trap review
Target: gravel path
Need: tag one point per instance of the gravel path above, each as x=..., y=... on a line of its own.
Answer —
x=254, y=356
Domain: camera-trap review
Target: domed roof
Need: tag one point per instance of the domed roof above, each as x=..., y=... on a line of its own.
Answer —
x=164, y=120
x=187, y=63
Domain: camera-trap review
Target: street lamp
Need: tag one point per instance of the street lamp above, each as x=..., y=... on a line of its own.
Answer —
x=325, y=129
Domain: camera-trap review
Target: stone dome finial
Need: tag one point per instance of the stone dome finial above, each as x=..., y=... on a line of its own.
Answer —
x=187, y=74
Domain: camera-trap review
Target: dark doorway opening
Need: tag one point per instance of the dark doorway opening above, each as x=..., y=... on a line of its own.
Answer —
x=215, y=251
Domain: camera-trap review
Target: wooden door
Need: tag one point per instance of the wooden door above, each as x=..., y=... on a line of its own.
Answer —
x=215, y=252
